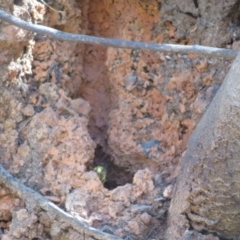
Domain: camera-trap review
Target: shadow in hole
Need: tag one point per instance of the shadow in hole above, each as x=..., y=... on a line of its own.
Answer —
x=116, y=176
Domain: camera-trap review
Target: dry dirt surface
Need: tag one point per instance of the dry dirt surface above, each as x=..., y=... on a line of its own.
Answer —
x=67, y=108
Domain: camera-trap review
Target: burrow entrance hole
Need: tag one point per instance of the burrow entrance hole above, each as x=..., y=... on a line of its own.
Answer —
x=116, y=176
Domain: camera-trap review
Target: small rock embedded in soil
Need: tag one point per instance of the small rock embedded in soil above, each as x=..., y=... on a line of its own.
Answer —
x=138, y=208
x=168, y=192
x=146, y=218
x=131, y=81
x=134, y=227
x=28, y=111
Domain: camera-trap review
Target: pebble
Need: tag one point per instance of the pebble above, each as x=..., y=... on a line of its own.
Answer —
x=146, y=218
x=168, y=191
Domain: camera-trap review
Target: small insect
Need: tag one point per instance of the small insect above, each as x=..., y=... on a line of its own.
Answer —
x=101, y=172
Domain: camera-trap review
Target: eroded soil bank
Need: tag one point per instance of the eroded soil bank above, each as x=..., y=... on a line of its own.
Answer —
x=66, y=108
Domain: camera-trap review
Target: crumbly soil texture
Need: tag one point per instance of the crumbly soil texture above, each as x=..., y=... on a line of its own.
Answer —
x=67, y=109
